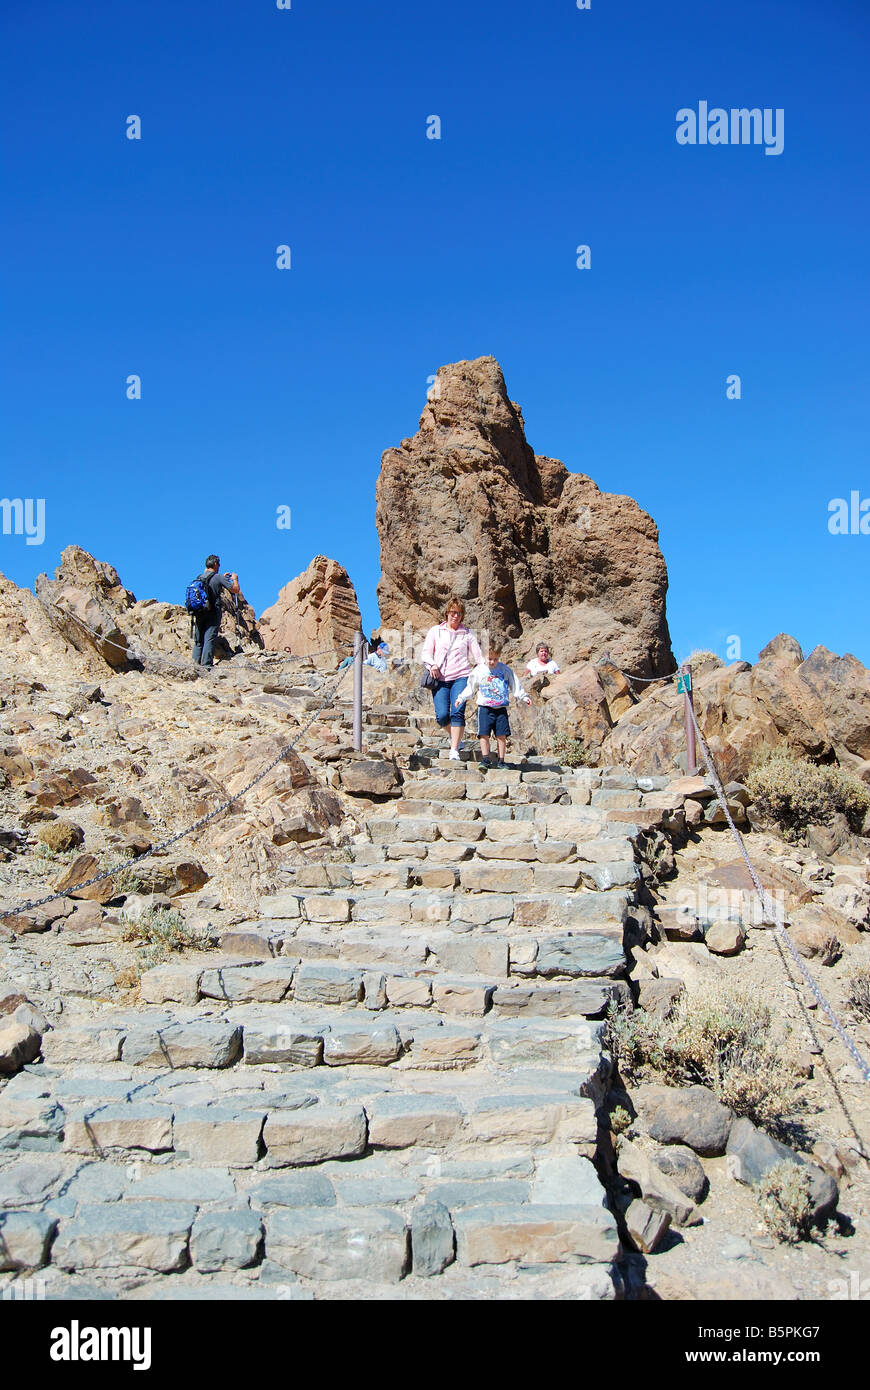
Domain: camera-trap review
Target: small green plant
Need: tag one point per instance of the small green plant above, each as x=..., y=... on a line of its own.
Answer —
x=619, y=1119
x=571, y=752
x=858, y=992
x=56, y=856
x=715, y=1036
x=783, y=1195
x=793, y=792
x=125, y=881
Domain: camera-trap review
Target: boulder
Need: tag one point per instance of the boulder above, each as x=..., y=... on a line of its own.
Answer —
x=691, y=1115
x=466, y=507
x=815, y=937
x=752, y=1153
x=60, y=835
x=646, y=1226
x=577, y=701
x=83, y=868
x=684, y=1170
x=725, y=938
x=658, y=996
x=371, y=777
x=658, y=1190
x=317, y=611
x=84, y=599
x=19, y=1045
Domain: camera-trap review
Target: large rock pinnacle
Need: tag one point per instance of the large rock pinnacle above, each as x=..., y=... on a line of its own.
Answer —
x=467, y=507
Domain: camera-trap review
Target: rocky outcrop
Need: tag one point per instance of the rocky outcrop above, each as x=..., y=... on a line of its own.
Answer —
x=84, y=600
x=87, y=603
x=467, y=507
x=818, y=705
x=316, y=611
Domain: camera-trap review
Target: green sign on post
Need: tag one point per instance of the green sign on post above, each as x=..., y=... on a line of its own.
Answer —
x=684, y=683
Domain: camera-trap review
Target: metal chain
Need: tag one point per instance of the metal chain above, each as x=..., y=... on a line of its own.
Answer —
x=646, y=680
x=771, y=910
x=141, y=653
x=197, y=825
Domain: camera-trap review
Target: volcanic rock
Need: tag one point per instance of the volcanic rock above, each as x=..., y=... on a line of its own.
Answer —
x=87, y=603
x=819, y=706
x=83, y=600
x=317, y=611
x=465, y=507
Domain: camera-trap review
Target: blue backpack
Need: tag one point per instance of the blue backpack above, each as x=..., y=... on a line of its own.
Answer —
x=198, y=598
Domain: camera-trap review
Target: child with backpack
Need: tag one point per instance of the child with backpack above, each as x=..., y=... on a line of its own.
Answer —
x=494, y=683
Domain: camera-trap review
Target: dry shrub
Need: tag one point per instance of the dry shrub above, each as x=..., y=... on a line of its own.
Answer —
x=157, y=932
x=858, y=992
x=700, y=657
x=783, y=1195
x=571, y=752
x=716, y=1036
x=793, y=793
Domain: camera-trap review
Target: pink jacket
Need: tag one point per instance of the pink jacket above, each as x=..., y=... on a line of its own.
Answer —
x=463, y=656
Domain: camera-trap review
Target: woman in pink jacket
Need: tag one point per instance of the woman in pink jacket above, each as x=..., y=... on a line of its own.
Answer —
x=451, y=653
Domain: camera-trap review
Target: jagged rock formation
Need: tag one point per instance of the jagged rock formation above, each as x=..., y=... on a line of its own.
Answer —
x=84, y=601
x=133, y=748
x=316, y=611
x=467, y=507
x=818, y=705
x=87, y=603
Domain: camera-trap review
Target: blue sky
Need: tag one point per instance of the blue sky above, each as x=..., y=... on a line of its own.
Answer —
x=307, y=127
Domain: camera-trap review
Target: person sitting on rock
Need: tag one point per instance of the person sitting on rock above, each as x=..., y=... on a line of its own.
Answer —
x=378, y=657
x=494, y=683
x=207, y=621
x=542, y=663
x=450, y=652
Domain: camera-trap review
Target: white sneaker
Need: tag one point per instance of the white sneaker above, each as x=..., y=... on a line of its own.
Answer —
x=453, y=756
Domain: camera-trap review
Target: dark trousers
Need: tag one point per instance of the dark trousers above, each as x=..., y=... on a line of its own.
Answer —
x=206, y=628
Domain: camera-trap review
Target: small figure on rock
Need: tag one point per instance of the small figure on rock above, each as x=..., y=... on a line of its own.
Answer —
x=494, y=683
x=205, y=608
x=450, y=653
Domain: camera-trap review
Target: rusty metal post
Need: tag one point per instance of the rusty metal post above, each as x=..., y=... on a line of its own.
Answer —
x=686, y=687
x=357, y=690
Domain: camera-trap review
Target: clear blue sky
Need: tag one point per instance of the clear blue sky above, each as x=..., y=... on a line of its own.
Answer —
x=263, y=388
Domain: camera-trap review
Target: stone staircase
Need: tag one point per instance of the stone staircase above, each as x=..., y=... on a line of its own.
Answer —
x=387, y=1082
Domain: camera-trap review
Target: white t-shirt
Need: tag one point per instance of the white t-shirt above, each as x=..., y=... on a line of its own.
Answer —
x=494, y=686
x=536, y=667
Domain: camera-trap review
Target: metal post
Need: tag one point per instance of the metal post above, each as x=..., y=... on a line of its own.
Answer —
x=688, y=706
x=357, y=690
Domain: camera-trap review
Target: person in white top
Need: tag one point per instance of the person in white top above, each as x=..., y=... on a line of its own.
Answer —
x=449, y=654
x=542, y=664
x=494, y=683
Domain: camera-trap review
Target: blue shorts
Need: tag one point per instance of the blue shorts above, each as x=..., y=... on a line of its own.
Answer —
x=491, y=721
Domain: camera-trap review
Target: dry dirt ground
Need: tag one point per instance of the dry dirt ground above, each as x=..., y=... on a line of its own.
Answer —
x=732, y=1256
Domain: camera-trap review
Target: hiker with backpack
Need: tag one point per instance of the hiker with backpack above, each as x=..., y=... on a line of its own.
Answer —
x=204, y=605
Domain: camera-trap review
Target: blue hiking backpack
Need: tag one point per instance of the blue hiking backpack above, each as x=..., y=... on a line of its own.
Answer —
x=198, y=597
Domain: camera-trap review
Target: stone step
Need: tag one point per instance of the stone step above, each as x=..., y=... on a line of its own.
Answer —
x=299, y=1035
x=495, y=869
x=302, y=1192
x=456, y=974
x=527, y=896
